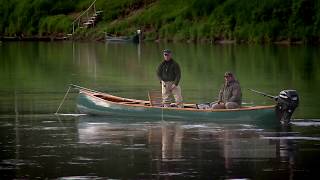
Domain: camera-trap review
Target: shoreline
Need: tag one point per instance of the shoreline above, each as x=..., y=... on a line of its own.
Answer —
x=33, y=38
x=207, y=41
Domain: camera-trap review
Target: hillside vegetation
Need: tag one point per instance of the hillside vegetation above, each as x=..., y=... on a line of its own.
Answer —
x=179, y=20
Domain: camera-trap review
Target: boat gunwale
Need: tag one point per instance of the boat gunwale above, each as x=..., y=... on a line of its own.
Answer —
x=142, y=103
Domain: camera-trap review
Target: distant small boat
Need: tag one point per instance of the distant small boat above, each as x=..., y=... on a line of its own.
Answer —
x=134, y=38
x=97, y=103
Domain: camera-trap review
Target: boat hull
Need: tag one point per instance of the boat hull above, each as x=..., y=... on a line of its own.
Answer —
x=89, y=104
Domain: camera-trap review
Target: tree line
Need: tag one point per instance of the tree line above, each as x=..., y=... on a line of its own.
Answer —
x=180, y=20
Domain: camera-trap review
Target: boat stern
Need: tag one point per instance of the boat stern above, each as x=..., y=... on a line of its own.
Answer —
x=287, y=102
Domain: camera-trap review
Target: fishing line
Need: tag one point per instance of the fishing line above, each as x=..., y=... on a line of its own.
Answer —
x=63, y=100
x=162, y=113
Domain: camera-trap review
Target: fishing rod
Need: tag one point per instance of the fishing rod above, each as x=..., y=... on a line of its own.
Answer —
x=264, y=94
x=79, y=87
x=75, y=87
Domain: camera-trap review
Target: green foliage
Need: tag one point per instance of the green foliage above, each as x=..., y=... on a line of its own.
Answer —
x=5, y=9
x=196, y=20
x=28, y=16
x=316, y=29
x=114, y=9
x=55, y=24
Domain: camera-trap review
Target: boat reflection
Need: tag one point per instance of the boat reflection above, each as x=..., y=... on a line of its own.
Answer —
x=222, y=145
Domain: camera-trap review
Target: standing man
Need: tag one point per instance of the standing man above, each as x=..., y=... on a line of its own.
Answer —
x=230, y=95
x=169, y=74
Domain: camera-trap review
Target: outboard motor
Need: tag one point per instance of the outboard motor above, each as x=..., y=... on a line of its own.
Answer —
x=287, y=102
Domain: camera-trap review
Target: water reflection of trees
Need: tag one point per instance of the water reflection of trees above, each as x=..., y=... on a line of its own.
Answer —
x=47, y=67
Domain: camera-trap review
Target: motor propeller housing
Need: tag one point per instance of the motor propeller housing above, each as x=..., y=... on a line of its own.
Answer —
x=287, y=102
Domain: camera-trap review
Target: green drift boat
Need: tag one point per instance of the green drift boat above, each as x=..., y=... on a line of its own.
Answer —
x=97, y=103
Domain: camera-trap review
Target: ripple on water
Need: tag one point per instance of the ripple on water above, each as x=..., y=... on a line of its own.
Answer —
x=46, y=147
x=314, y=122
x=48, y=122
x=96, y=123
x=41, y=128
x=80, y=158
x=167, y=174
x=17, y=162
x=78, y=163
x=193, y=126
x=293, y=138
x=70, y=114
x=80, y=177
x=6, y=125
x=133, y=148
x=173, y=160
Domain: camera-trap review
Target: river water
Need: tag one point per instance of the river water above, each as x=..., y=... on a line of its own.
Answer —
x=36, y=144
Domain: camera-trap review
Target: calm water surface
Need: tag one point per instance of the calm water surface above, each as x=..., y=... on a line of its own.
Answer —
x=35, y=144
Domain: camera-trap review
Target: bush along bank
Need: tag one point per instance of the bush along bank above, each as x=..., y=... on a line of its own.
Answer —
x=221, y=21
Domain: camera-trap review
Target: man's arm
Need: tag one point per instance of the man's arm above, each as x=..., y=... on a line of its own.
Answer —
x=236, y=93
x=159, y=71
x=220, y=94
x=178, y=74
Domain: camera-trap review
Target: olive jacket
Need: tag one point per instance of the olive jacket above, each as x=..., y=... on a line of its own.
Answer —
x=169, y=71
x=231, y=92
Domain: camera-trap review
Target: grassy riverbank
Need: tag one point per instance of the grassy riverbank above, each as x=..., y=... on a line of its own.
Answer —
x=251, y=21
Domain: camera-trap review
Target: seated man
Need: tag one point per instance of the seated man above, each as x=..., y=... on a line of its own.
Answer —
x=230, y=95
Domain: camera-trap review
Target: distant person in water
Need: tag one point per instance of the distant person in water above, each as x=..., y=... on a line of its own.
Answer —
x=169, y=74
x=230, y=95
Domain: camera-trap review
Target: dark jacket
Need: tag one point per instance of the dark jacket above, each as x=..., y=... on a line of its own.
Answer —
x=169, y=71
x=231, y=92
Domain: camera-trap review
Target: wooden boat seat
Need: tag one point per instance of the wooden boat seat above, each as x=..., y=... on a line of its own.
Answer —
x=155, y=98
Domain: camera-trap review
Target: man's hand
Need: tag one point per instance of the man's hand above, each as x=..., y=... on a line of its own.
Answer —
x=173, y=86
